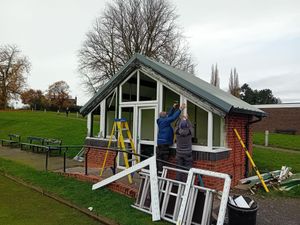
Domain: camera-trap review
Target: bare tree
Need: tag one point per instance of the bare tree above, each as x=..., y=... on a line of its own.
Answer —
x=13, y=67
x=234, y=86
x=128, y=27
x=215, y=79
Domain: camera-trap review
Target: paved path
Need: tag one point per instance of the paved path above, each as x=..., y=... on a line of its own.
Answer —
x=55, y=163
x=36, y=160
x=278, y=149
x=278, y=211
x=275, y=210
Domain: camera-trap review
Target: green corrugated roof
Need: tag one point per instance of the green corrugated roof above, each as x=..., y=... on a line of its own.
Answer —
x=215, y=96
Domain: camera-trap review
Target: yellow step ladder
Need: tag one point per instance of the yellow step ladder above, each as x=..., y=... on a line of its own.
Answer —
x=120, y=126
x=251, y=160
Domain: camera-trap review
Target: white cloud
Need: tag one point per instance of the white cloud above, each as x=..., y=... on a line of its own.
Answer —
x=261, y=31
x=284, y=86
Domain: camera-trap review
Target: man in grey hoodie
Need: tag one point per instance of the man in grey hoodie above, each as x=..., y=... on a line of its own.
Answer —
x=184, y=133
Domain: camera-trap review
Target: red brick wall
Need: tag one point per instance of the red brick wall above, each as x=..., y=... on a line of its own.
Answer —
x=236, y=161
x=279, y=119
x=234, y=165
x=96, y=157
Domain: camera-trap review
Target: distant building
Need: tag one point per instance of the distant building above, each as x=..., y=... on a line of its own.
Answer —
x=281, y=118
x=72, y=101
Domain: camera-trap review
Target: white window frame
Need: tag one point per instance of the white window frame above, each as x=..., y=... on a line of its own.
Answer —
x=209, y=147
x=157, y=95
x=121, y=87
x=138, y=90
x=89, y=122
x=102, y=118
x=139, y=108
x=136, y=126
x=102, y=115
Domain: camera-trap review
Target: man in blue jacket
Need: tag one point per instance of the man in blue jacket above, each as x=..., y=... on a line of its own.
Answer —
x=165, y=135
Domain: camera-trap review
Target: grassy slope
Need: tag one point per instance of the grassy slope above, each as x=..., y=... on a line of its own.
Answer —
x=106, y=203
x=278, y=140
x=21, y=205
x=71, y=130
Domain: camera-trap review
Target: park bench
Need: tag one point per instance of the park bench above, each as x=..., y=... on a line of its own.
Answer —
x=34, y=144
x=286, y=131
x=53, y=145
x=13, y=141
x=39, y=144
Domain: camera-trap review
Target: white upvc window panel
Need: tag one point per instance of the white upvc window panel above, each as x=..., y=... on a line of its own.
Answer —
x=89, y=124
x=210, y=130
x=102, y=118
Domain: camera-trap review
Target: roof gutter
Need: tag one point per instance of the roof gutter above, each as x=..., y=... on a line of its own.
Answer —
x=249, y=112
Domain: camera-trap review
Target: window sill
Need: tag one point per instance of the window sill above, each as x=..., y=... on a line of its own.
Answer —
x=198, y=148
x=212, y=150
x=195, y=148
x=203, y=153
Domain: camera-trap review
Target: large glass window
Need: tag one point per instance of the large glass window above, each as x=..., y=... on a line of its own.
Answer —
x=127, y=113
x=199, y=118
x=169, y=98
x=148, y=88
x=147, y=124
x=95, y=126
x=129, y=89
x=110, y=115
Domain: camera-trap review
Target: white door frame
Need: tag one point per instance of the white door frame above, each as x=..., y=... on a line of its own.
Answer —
x=136, y=124
x=139, y=142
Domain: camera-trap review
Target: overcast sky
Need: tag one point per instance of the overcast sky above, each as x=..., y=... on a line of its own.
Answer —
x=261, y=38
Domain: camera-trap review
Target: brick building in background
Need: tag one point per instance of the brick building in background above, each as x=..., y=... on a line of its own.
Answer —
x=282, y=118
x=143, y=88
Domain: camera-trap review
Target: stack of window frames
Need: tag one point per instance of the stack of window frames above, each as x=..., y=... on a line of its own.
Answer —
x=200, y=200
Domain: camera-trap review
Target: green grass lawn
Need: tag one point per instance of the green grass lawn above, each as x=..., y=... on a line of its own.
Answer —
x=105, y=202
x=21, y=205
x=71, y=130
x=269, y=160
x=278, y=140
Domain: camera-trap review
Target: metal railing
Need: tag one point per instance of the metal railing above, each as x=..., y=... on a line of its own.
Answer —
x=88, y=147
x=62, y=148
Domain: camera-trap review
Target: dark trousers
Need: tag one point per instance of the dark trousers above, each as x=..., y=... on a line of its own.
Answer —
x=185, y=160
x=162, y=153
